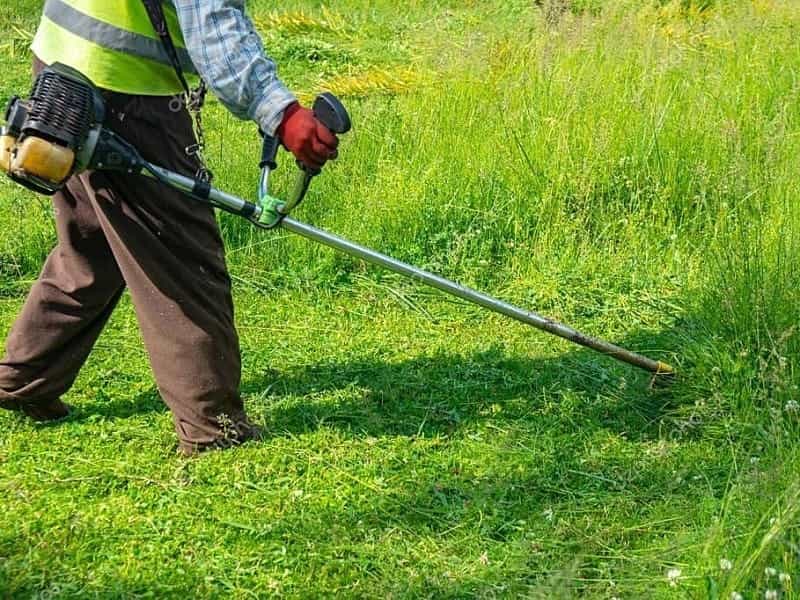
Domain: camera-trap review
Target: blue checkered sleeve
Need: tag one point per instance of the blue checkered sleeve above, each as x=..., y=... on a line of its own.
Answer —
x=228, y=53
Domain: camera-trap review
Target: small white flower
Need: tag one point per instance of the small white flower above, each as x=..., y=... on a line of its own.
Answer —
x=736, y=596
x=785, y=579
x=725, y=564
x=772, y=522
x=792, y=406
x=771, y=595
x=548, y=514
x=672, y=577
x=770, y=572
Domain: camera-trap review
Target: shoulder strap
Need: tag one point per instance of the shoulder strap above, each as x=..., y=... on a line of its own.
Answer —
x=156, y=14
x=194, y=99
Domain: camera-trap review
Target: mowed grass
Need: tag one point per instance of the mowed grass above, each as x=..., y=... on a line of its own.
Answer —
x=630, y=168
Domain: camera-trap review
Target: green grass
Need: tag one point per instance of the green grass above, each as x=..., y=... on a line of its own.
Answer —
x=628, y=167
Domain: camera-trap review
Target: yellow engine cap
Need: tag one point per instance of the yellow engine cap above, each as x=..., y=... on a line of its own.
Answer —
x=43, y=159
x=7, y=143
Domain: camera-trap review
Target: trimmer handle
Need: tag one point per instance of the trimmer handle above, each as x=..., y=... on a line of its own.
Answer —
x=330, y=112
x=327, y=109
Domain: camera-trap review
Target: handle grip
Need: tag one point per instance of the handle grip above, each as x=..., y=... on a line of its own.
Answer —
x=327, y=109
x=268, y=152
x=331, y=112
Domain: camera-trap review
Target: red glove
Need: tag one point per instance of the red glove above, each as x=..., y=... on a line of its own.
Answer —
x=304, y=136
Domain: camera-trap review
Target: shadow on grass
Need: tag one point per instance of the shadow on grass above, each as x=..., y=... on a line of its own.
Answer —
x=437, y=394
x=552, y=406
x=148, y=401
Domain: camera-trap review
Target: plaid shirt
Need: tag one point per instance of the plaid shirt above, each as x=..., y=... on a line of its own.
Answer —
x=228, y=54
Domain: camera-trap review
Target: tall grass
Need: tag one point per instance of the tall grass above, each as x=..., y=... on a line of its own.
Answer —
x=650, y=152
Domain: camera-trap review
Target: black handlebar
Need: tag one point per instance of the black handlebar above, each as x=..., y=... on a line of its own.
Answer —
x=268, y=153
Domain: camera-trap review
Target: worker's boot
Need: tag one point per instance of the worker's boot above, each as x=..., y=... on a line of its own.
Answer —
x=41, y=412
x=231, y=433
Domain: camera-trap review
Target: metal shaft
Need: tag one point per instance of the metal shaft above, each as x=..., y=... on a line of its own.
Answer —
x=239, y=206
x=476, y=297
x=223, y=200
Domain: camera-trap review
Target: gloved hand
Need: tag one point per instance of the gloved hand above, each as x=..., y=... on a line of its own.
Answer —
x=304, y=136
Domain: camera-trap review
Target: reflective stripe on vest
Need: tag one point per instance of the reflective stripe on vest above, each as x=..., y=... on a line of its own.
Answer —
x=112, y=42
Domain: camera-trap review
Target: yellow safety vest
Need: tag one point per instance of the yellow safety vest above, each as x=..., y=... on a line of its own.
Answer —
x=113, y=43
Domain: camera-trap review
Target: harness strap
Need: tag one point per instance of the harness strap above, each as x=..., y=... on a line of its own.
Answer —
x=195, y=99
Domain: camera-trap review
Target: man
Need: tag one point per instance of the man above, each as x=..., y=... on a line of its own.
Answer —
x=117, y=231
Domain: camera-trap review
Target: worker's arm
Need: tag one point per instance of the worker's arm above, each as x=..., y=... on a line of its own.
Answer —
x=228, y=54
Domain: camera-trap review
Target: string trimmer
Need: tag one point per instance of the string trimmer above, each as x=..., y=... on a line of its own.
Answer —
x=58, y=132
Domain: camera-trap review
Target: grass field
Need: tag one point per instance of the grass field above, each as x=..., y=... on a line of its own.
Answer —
x=628, y=167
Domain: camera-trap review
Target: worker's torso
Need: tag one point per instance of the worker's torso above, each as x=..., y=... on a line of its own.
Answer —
x=113, y=43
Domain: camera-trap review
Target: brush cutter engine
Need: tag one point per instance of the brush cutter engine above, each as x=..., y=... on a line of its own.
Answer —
x=54, y=133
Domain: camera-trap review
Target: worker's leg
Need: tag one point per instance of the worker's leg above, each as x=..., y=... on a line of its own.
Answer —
x=170, y=253
x=64, y=313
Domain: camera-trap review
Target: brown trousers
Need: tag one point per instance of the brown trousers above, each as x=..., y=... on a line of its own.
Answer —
x=117, y=230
